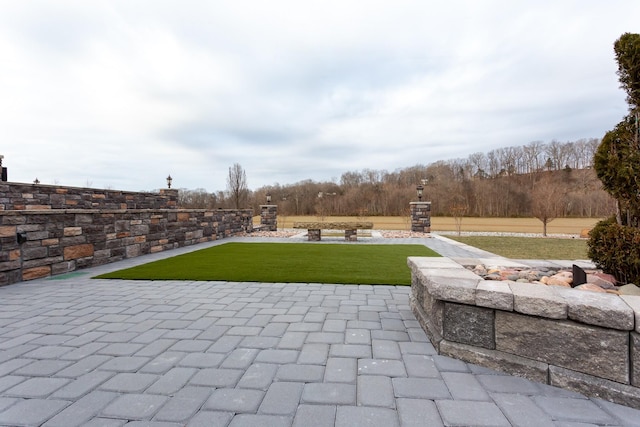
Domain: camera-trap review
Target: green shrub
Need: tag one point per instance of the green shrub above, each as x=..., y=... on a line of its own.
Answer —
x=616, y=249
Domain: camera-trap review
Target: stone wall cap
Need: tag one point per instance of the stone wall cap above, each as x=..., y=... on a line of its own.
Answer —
x=494, y=294
x=633, y=301
x=596, y=308
x=432, y=262
x=538, y=300
x=452, y=289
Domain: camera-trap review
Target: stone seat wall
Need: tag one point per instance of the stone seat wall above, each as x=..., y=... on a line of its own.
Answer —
x=578, y=340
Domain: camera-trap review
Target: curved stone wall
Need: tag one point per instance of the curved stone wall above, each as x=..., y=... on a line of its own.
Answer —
x=579, y=340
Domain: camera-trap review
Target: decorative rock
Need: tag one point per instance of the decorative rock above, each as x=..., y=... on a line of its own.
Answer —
x=599, y=281
x=565, y=276
x=553, y=281
x=590, y=287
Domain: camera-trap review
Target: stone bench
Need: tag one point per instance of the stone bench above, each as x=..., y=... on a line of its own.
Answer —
x=314, y=229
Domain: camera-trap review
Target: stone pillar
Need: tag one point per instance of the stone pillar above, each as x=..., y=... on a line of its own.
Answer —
x=269, y=217
x=313, y=235
x=420, y=216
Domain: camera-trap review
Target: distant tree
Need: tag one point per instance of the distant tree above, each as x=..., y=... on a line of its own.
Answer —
x=547, y=200
x=237, y=185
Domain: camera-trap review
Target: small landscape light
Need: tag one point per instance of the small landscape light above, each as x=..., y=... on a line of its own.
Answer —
x=169, y=179
x=36, y=181
x=268, y=198
x=419, y=190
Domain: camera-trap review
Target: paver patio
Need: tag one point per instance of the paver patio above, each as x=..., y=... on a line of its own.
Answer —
x=77, y=351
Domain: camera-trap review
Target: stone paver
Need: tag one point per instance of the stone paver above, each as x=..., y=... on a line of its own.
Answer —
x=77, y=351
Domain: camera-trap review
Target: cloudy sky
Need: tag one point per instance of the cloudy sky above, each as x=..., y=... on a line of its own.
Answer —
x=119, y=94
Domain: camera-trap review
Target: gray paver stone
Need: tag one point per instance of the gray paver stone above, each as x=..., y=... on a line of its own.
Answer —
x=172, y=381
x=418, y=413
x=83, y=366
x=127, y=382
x=202, y=360
x=581, y=410
x=315, y=416
x=282, y=398
x=314, y=354
x=31, y=412
x=211, y=419
x=423, y=366
x=183, y=405
x=124, y=364
x=461, y=413
x=213, y=377
x=234, y=400
x=521, y=410
x=350, y=350
x=300, y=373
x=386, y=367
x=252, y=420
x=240, y=358
x=277, y=356
x=386, y=349
x=37, y=387
x=464, y=386
x=329, y=393
x=259, y=376
x=375, y=390
x=420, y=388
x=83, y=385
x=340, y=369
x=82, y=410
x=362, y=416
x=134, y=406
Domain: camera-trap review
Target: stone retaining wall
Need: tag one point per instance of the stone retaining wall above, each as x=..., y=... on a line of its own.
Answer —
x=40, y=243
x=578, y=340
x=19, y=196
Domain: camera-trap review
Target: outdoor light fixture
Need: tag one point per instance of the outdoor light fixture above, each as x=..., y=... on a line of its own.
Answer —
x=268, y=198
x=169, y=179
x=419, y=189
x=36, y=181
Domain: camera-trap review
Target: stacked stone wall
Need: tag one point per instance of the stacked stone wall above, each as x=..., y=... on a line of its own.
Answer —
x=579, y=340
x=19, y=196
x=35, y=244
x=47, y=230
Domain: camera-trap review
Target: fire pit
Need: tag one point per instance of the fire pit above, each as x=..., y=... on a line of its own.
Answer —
x=541, y=332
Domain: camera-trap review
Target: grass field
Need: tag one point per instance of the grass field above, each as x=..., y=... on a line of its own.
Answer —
x=528, y=248
x=285, y=263
x=510, y=225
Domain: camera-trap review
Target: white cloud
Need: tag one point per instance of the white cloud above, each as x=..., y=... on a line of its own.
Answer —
x=121, y=93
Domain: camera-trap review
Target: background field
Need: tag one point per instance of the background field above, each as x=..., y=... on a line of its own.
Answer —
x=509, y=225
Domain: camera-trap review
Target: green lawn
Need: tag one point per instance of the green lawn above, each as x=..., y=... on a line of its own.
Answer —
x=528, y=247
x=285, y=263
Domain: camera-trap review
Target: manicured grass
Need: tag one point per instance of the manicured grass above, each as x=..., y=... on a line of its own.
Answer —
x=528, y=247
x=285, y=263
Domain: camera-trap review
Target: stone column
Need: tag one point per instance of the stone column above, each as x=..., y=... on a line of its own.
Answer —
x=420, y=216
x=269, y=217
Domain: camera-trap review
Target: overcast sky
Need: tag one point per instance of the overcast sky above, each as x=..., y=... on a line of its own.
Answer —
x=119, y=94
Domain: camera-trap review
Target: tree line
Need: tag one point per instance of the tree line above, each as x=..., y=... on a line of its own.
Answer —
x=504, y=182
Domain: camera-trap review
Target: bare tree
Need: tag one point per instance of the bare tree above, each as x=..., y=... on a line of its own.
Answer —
x=547, y=200
x=237, y=185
